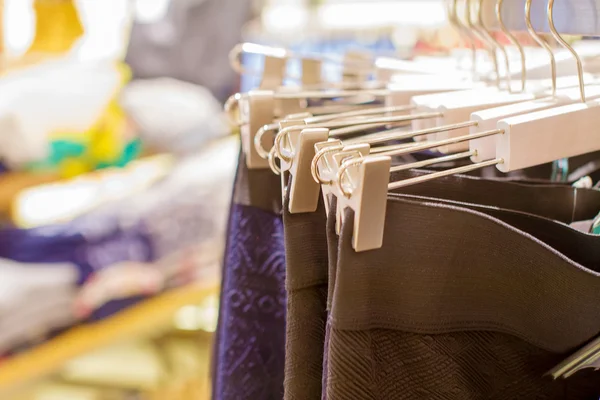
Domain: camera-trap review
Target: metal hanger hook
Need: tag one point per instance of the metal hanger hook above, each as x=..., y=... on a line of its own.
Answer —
x=513, y=40
x=342, y=172
x=232, y=106
x=539, y=40
x=272, y=164
x=567, y=46
x=314, y=165
x=496, y=45
x=488, y=43
x=466, y=34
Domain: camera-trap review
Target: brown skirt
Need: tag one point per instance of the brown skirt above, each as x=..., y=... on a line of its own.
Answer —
x=457, y=304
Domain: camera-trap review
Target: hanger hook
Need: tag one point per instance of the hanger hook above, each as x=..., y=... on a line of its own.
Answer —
x=465, y=33
x=272, y=162
x=496, y=44
x=314, y=166
x=342, y=172
x=539, y=40
x=513, y=40
x=235, y=59
x=485, y=40
x=567, y=46
x=461, y=29
x=232, y=107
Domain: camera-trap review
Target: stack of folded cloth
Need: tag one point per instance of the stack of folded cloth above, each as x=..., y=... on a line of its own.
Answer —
x=36, y=300
x=120, y=248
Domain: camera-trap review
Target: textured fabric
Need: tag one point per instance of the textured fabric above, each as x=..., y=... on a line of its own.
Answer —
x=250, y=339
x=473, y=365
x=566, y=203
x=580, y=247
x=457, y=305
x=332, y=250
x=257, y=193
x=306, y=284
x=557, y=201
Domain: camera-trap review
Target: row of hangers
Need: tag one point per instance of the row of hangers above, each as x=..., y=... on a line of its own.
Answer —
x=341, y=139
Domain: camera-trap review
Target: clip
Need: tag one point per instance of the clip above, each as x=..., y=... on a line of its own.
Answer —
x=304, y=190
x=256, y=110
x=273, y=72
x=357, y=66
x=328, y=157
x=370, y=177
x=311, y=72
x=349, y=153
x=322, y=167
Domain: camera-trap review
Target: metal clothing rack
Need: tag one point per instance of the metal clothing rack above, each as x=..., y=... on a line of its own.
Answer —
x=571, y=17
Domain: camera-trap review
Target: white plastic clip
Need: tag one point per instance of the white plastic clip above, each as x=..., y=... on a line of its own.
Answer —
x=273, y=73
x=370, y=179
x=304, y=190
x=256, y=110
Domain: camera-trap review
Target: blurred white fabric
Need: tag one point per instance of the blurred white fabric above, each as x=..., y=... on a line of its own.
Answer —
x=172, y=115
x=63, y=95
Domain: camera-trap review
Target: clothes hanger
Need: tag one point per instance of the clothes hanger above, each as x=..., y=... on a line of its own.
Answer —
x=513, y=40
x=259, y=125
x=397, y=95
x=492, y=115
x=485, y=148
x=458, y=114
x=260, y=108
x=457, y=107
x=393, y=97
x=496, y=47
x=253, y=110
x=289, y=144
x=307, y=119
x=522, y=142
x=274, y=74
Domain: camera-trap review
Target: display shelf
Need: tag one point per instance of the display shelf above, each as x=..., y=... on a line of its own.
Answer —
x=143, y=318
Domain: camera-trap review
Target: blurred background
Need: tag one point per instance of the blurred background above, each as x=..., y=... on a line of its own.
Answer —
x=116, y=172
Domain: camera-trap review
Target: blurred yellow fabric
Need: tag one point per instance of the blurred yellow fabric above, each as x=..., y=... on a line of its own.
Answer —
x=57, y=27
x=104, y=143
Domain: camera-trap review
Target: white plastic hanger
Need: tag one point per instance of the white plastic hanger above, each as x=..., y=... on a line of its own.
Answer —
x=255, y=120
x=260, y=108
x=522, y=141
x=458, y=106
x=253, y=107
x=485, y=148
x=258, y=111
x=328, y=152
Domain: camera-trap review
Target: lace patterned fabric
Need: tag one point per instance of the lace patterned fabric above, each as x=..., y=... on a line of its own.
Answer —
x=251, y=334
